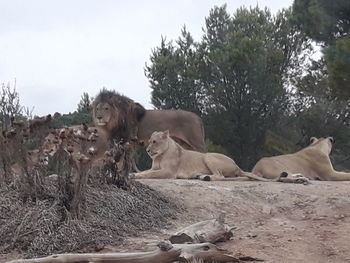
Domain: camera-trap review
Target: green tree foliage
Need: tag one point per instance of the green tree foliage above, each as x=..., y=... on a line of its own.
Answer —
x=84, y=111
x=83, y=114
x=328, y=22
x=323, y=20
x=9, y=105
x=338, y=65
x=243, y=79
x=173, y=75
x=319, y=114
x=84, y=105
x=235, y=77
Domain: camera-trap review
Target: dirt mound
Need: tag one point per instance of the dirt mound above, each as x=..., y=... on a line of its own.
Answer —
x=110, y=214
x=273, y=221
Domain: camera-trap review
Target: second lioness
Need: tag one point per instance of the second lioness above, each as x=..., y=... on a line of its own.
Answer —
x=170, y=160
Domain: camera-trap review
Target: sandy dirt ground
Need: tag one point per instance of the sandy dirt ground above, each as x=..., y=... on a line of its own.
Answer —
x=273, y=221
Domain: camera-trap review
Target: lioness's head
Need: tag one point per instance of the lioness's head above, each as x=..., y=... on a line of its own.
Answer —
x=323, y=144
x=158, y=143
x=37, y=157
x=113, y=111
x=50, y=145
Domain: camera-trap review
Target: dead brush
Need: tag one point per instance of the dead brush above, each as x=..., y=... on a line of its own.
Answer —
x=22, y=166
x=74, y=167
x=108, y=216
x=121, y=164
x=41, y=214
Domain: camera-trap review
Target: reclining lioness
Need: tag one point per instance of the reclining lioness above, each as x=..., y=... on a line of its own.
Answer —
x=170, y=160
x=313, y=162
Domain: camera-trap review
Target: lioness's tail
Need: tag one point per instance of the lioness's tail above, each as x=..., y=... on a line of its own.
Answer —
x=255, y=177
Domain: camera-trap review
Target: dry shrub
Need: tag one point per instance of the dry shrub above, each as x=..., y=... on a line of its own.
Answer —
x=111, y=213
x=36, y=216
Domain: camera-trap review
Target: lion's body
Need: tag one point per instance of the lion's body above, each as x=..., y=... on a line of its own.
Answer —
x=122, y=118
x=313, y=162
x=170, y=160
x=185, y=127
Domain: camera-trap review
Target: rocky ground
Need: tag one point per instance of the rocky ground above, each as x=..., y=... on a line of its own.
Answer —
x=273, y=221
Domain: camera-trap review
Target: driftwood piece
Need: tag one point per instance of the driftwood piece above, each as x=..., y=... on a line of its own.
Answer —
x=211, y=231
x=166, y=252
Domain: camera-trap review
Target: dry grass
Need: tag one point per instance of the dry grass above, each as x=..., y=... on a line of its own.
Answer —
x=109, y=215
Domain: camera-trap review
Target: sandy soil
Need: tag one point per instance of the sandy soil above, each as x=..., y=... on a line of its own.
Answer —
x=273, y=221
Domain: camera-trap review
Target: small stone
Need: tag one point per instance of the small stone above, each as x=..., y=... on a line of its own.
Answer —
x=251, y=235
x=266, y=209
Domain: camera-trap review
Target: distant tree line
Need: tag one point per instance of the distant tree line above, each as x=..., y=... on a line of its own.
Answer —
x=252, y=79
x=83, y=114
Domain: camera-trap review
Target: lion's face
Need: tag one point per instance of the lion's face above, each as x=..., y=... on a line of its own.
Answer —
x=323, y=144
x=103, y=114
x=50, y=145
x=158, y=144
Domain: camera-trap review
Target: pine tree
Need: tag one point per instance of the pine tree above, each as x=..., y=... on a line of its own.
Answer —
x=328, y=23
x=84, y=105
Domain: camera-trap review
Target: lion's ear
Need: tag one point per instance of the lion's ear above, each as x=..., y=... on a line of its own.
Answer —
x=166, y=134
x=313, y=139
x=331, y=139
x=139, y=111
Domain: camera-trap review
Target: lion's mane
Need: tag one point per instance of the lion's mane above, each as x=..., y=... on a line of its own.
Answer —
x=129, y=113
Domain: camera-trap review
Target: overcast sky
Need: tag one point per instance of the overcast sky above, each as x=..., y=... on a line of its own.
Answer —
x=58, y=49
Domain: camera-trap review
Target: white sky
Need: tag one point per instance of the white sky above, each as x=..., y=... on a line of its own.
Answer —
x=58, y=49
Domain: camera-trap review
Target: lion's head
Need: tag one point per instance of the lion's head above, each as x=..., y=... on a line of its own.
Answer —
x=158, y=143
x=116, y=113
x=323, y=144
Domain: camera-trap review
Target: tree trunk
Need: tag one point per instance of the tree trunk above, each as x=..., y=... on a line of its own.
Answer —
x=211, y=231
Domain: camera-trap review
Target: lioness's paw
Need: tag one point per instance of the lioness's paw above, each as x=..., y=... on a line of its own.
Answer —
x=207, y=178
x=204, y=178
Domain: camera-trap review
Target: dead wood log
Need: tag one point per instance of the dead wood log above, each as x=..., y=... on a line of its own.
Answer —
x=211, y=231
x=204, y=251
x=166, y=253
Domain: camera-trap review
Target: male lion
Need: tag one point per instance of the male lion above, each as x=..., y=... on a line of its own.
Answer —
x=170, y=160
x=312, y=162
x=122, y=118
